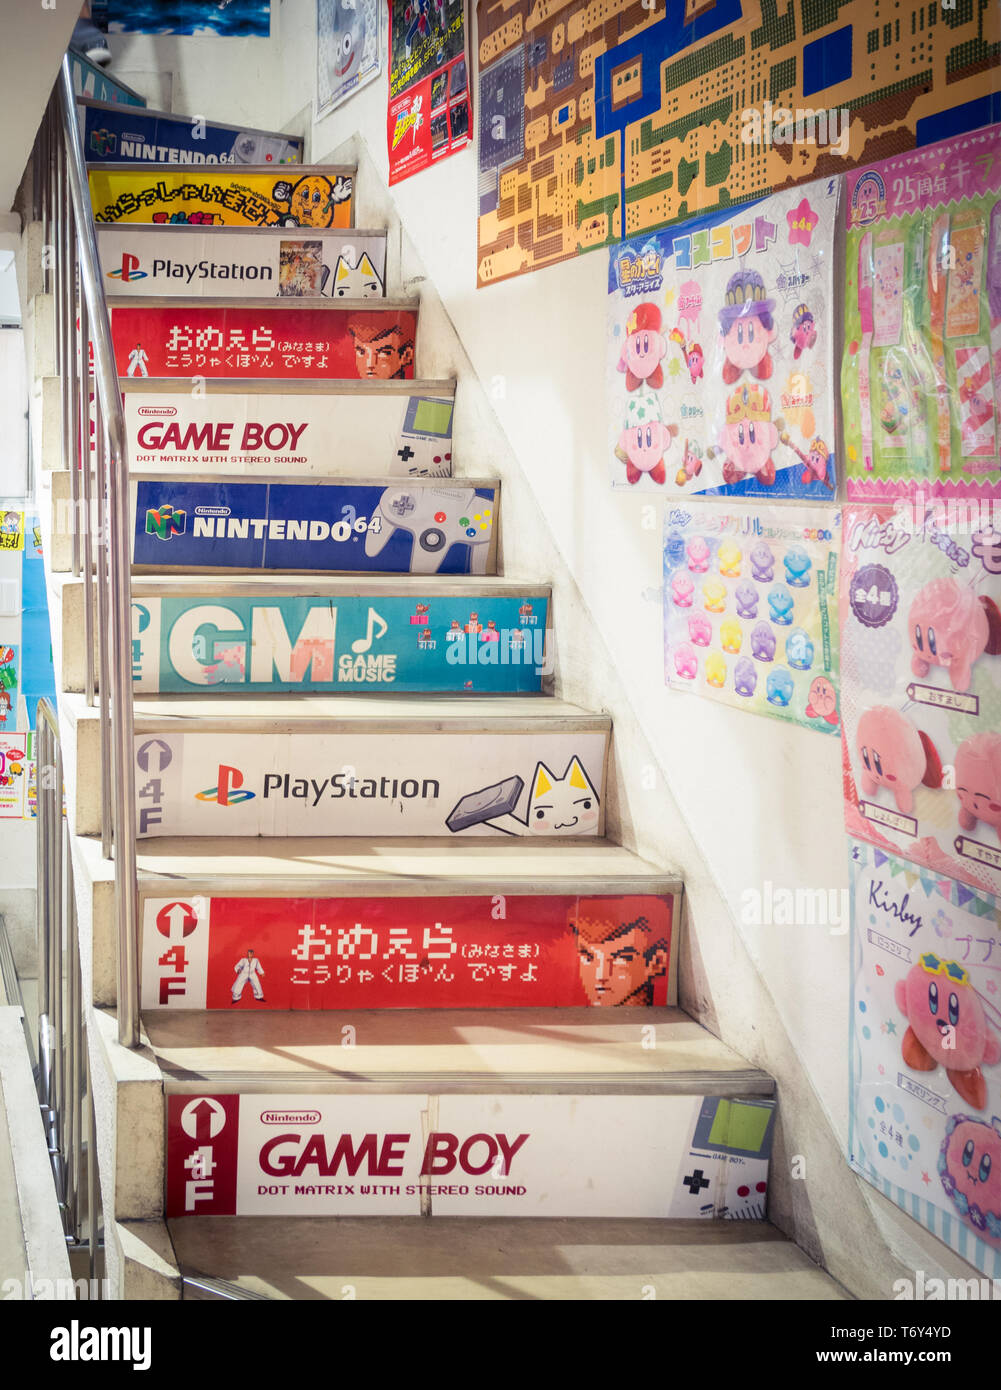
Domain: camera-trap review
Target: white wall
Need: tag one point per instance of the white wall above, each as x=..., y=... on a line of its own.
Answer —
x=738, y=799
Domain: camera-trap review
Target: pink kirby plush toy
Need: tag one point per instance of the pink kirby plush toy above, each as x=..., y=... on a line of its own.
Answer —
x=969, y=1164
x=951, y=626
x=947, y=1026
x=686, y=663
x=978, y=781
x=896, y=755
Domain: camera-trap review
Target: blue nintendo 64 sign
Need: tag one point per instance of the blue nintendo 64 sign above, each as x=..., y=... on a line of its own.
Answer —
x=420, y=527
x=130, y=135
x=355, y=643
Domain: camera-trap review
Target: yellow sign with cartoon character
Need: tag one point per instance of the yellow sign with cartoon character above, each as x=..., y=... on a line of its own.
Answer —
x=222, y=196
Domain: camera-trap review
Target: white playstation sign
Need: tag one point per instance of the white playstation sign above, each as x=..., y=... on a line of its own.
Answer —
x=281, y=262
x=429, y=781
x=363, y=429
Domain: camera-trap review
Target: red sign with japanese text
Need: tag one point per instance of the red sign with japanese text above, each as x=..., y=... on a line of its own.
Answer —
x=277, y=342
x=371, y=953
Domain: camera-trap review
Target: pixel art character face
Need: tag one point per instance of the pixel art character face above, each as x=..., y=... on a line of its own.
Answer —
x=381, y=352
x=621, y=952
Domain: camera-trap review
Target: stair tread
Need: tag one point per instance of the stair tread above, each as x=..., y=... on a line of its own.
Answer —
x=466, y=1259
x=537, y=1049
x=149, y=584
x=172, y=713
x=317, y=865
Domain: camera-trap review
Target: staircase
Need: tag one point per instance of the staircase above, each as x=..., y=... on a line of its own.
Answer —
x=391, y=968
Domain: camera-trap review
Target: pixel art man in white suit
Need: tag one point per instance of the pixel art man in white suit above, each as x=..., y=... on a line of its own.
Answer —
x=248, y=967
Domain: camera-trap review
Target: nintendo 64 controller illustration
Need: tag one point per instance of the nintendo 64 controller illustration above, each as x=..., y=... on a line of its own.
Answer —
x=437, y=518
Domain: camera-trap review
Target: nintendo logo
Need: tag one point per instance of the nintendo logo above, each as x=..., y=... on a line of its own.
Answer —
x=158, y=410
x=212, y=511
x=290, y=1117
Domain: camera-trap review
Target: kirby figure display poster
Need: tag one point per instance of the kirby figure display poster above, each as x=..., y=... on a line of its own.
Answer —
x=721, y=370
x=925, y=1115
x=751, y=609
x=921, y=687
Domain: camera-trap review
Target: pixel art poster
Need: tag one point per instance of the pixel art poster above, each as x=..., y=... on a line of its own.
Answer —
x=603, y=121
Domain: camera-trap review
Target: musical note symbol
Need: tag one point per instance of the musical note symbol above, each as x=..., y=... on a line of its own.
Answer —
x=362, y=644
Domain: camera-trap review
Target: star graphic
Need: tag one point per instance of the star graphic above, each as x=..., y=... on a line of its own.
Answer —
x=891, y=1027
x=925, y=1178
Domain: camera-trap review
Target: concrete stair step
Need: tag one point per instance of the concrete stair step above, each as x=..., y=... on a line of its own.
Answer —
x=534, y=1112
x=205, y=524
x=222, y=337
x=260, y=193
x=465, y=1260
x=303, y=428
x=366, y=765
x=187, y=261
x=247, y=626
x=586, y=1051
x=319, y=873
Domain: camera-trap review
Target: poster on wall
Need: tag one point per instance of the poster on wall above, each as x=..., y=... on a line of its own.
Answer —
x=432, y=783
x=921, y=687
x=91, y=81
x=405, y=953
x=921, y=374
x=310, y=432
x=223, y=339
x=601, y=123
x=206, y=18
x=428, y=115
x=10, y=682
x=191, y=262
x=126, y=135
x=925, y=1114
x=694, y=1157
x=348, y=49
x=14, y=758
x=356, y=644
x=221, y=195
x=323, y=527
x=750, y=609
x=720, y=353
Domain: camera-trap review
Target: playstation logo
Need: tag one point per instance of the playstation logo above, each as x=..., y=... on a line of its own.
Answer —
x=129, y=270
x=227, y=791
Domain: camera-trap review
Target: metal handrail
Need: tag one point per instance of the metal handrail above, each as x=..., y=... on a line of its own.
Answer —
x=64, y=1077
x=113, y=597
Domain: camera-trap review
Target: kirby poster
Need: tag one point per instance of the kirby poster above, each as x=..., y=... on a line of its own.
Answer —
x=720, y=353
x=921, y=685
x=751, y=609
x=925, y=1113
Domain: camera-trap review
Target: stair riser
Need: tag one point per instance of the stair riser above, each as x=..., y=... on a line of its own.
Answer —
x=248, y=195
x=322, y=645
x=395, y=783
x=211, y=525
x=206, y=339
x=131, y=135
x=247, y=263
x=297, y=434
x=498, y=1155
x=458, y=952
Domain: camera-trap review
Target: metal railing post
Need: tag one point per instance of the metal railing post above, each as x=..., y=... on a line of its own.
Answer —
x=119, y=659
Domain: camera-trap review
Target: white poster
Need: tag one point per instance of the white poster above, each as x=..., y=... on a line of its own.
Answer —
x=399, y=431
x=348, y=49
x=694, y=1157
x=288, y=263
x=408, y=783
